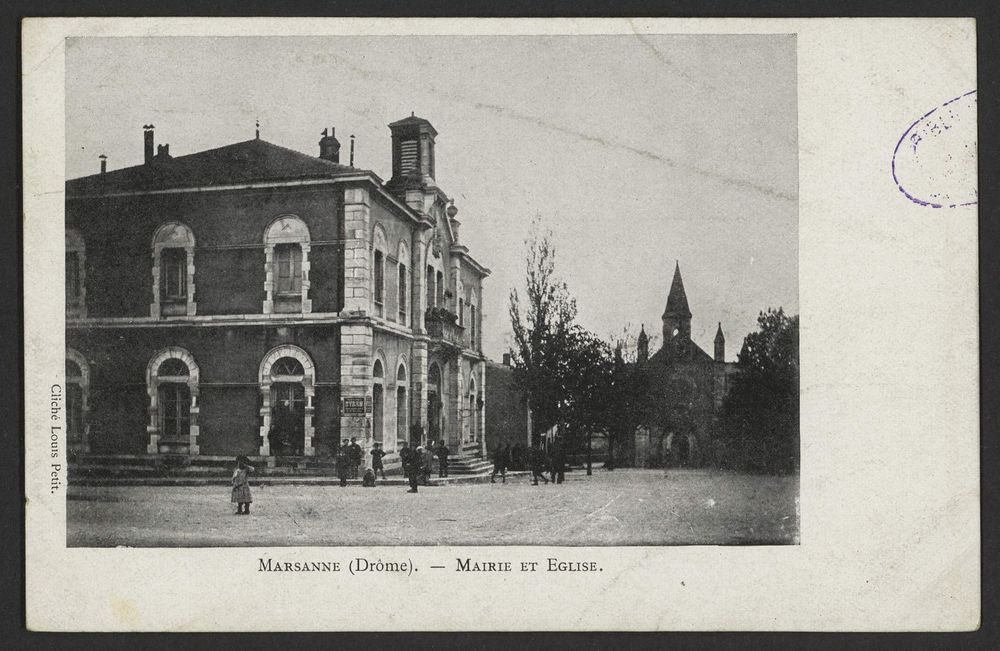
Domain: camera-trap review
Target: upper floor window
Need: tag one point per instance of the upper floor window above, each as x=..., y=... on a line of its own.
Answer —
x=286, y=266
x=473, y=323
x=379, y=273
x=403, y=280
x=379, y=254
x=431, y=295
x=76, y=303
x=173, y=271
x=288, y=260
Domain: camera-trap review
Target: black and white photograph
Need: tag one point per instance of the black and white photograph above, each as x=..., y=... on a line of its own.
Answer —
x=475, y=324
x=423, y=291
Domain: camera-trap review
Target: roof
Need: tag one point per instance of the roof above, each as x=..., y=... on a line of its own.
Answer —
x=243, y=162
x=693, y=353
x=718, y=333
x=415, y=121
x=677, y=302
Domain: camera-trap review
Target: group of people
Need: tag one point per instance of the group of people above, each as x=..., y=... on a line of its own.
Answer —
x=540, y=462
x=348, y=460
x=418, y=463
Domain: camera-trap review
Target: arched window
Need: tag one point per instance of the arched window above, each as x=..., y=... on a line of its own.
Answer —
x=77, y=398
x=172, y=386
x=76, y=285
x=403, y=282
x=287, y=389
x=286, y=266
x=173, y=271
x=460, y=293
x=473, y=322
x=379, y=253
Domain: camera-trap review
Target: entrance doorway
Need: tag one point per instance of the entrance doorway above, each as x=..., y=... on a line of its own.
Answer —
x=378, y=400
x=287, y=418
x=434, y=403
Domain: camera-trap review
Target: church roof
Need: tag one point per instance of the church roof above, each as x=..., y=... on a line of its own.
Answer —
x=677, y=302
x=243, y=162
x=692, y=353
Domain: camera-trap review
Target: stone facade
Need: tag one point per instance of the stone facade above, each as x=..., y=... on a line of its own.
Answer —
x=250, y=297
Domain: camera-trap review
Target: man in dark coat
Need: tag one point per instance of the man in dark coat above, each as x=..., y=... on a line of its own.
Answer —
x=536, y=458
x=412, y=466
x=558, y=457
x=442, y=455
x=354, y=454
x=501, y=459
x=342, y=463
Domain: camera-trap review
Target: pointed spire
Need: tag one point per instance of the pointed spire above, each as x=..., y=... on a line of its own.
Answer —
x=718, y=333
x=677, y=302
x=642, y=345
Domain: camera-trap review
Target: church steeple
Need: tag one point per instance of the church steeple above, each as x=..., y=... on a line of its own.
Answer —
x=642, y=345
x=720, y=344
x=677, y=315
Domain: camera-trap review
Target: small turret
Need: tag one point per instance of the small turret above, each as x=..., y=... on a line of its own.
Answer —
x=720, y=344
x=642, y=345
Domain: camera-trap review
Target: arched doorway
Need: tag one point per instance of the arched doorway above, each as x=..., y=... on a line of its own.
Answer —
x=402, y=408
x=434, y=403
x=473, y=414
x=378, y=401
x=287, y=387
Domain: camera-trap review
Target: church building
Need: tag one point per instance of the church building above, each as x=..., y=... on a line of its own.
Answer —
x=256, y=300
x=686, y=389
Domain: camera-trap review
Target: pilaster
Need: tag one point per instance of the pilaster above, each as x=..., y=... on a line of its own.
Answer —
x=357, y=263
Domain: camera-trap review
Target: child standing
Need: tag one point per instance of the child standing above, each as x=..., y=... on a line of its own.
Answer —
x=241, y=485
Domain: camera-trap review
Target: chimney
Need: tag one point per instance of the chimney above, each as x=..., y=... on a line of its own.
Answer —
x=506, y=359
x=329, y=147
x=163, y=152
x=104, y=164
x=352, y=150
x=147, y=134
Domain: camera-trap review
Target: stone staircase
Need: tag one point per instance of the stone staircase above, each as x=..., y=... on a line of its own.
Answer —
x=469, y=461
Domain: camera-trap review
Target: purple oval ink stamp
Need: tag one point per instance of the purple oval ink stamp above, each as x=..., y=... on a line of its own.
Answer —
x=934, y=163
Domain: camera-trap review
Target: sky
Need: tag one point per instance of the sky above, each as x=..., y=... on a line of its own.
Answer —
x=636, y=152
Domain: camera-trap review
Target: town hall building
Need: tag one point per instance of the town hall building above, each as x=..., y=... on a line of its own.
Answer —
x=686, y=387
x=256, y=300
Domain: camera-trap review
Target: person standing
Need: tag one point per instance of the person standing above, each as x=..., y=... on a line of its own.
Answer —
x=377, y=454
x=427, y=464
x=241, y=485
x=536, y=458
x=343, y=463
x=354, y=454
x=501, y=458
x=412, y=467
x=442, y=455
x=558, y=469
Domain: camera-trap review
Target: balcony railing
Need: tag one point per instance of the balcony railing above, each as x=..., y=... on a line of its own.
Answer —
x=443, y=324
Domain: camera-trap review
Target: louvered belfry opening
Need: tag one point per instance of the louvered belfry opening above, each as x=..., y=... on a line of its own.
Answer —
x=412, y=152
